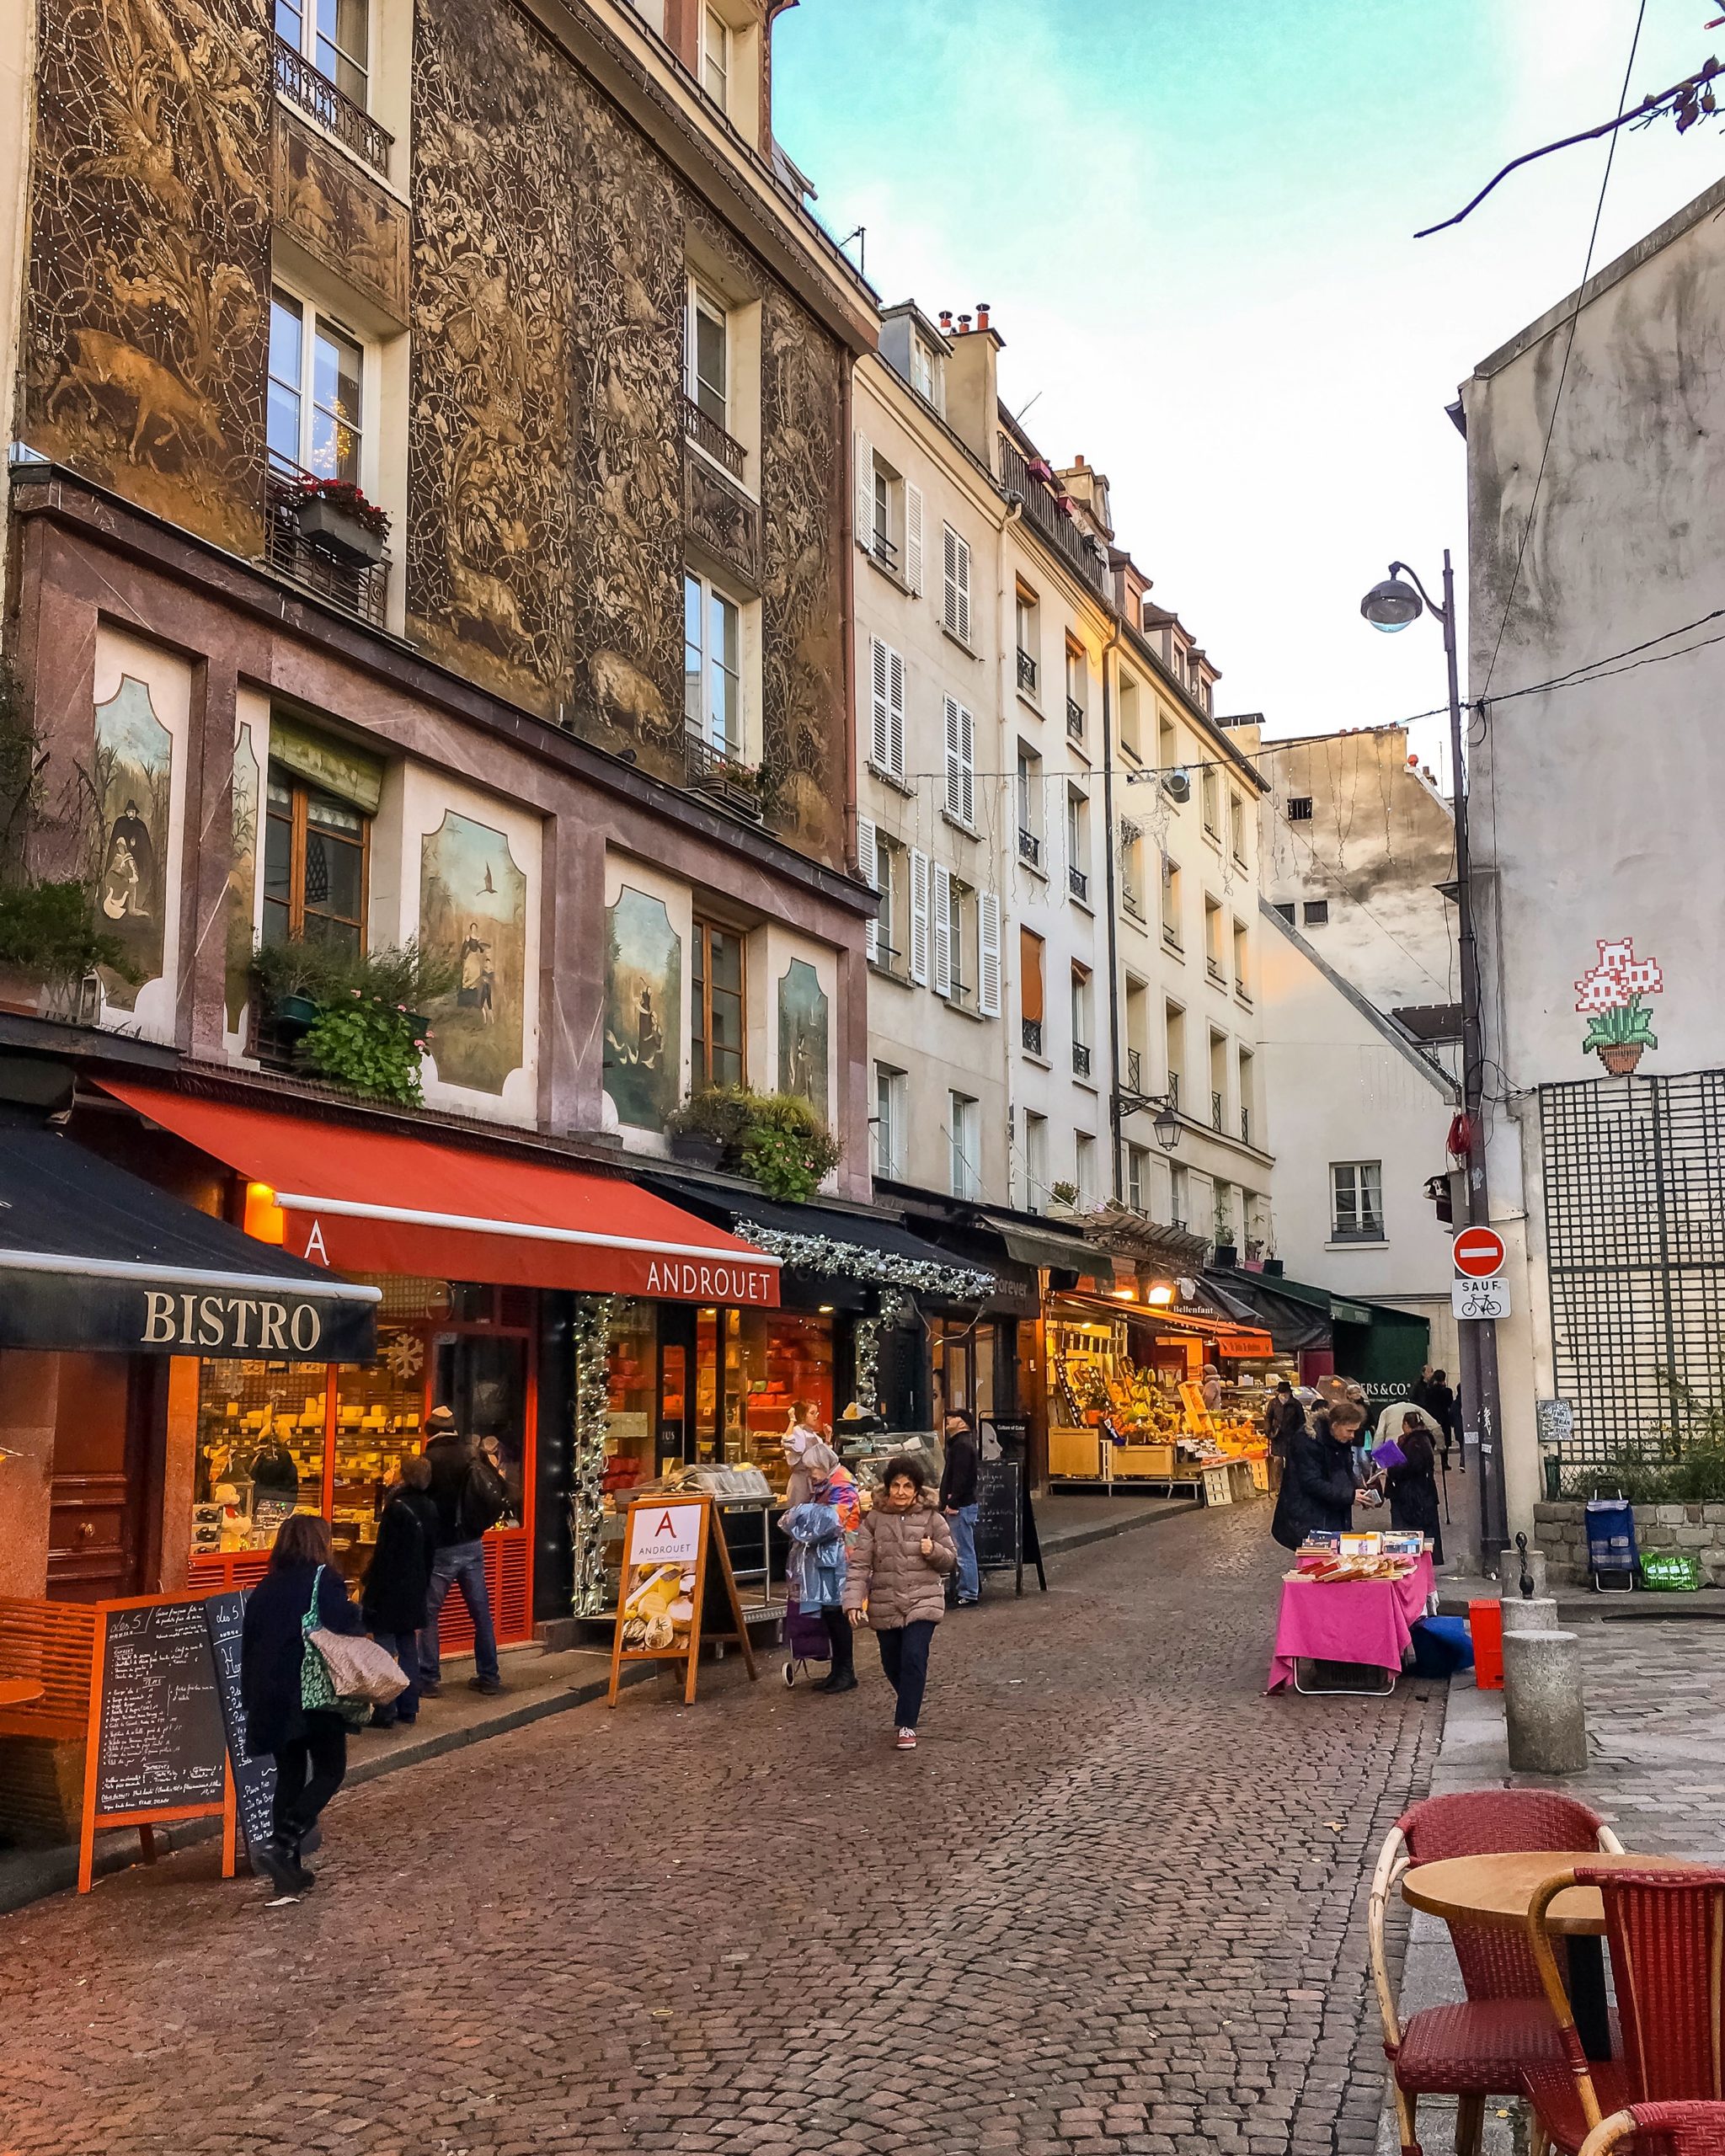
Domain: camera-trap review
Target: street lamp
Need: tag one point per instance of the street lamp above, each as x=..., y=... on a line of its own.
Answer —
x=1167, y=1126
x=1401, y=599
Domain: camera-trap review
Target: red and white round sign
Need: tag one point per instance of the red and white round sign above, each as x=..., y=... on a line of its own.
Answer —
x=1478, y=1252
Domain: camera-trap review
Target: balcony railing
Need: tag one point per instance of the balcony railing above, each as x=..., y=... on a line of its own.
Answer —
x=883, y=551
x=1246, y=1126
x=707, y=434
x=1081, y=1060
x=1062, y=533
x=1173, y=1089
x=1212, y=967
x=1031, y=1029
x=1026, y=673
x=1216, y=1115
x=302, y=84
x=1135, y=1070
x=1075, y=720
x=715, y=771
x=1171, y=936
x=1078, y=884
x=359, y=588
x=1029, y=847
x=1131, y=902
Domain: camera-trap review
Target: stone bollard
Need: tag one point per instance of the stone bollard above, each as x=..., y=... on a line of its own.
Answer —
x=1538, y=1616
x=1543, y=1703
x=1511, y=1575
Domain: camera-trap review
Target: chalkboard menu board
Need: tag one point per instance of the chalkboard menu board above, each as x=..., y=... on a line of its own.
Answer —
x=253, y=1778
x=160, y=1745
x=1005, y=1522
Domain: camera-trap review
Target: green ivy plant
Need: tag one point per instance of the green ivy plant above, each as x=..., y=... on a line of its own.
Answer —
x=775, y=1138
x=370, y=1046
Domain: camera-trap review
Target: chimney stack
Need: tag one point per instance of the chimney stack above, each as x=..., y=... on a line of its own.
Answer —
x=982, y=314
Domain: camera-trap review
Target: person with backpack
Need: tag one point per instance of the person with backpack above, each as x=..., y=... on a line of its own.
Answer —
x=471, y=1496
x=399, y=1580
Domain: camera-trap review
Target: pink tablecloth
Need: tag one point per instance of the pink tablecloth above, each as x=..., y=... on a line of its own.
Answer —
x=1361, y=1621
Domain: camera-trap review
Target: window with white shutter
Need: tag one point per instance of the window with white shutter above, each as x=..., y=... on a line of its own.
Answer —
x=988, y=962
x=895, y=714
x=868, y=867
x=881, y=656
x=865, y=490
x=919, y=917
x=913, y=537
x=942, y=898
x=961, y=763
x=957, y=563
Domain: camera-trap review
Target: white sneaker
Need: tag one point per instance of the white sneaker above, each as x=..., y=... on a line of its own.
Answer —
x=907, y=1740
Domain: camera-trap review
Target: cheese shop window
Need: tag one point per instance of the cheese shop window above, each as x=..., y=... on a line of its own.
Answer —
x=380, y=1411
x=782, y=1357
x=632, y=1373
x=260, y=1452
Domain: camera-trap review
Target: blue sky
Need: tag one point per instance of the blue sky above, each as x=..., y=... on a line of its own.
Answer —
x=1193, y=219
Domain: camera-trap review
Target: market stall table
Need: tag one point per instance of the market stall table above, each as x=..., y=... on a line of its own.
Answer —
x=1495, y=1890
x=1365, y=1621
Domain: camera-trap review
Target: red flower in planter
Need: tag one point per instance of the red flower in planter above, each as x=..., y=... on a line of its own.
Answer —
x=344, y=495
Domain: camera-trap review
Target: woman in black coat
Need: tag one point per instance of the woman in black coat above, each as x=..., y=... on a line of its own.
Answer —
x=309, y=1743
x=1413, y=1487
x=1318, y=1489
x=393, y=1600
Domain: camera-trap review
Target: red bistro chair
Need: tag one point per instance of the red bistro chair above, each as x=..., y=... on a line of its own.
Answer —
x=1664, y=1929
x=1483, y=2048
x=1661, y=2130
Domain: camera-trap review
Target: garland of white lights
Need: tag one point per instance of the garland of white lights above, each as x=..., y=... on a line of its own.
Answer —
x=823, y=1254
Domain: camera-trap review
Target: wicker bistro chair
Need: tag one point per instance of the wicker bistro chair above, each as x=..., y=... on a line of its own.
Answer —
x=1483, y=2048
x=1660, y=2130
x=1666, y=1930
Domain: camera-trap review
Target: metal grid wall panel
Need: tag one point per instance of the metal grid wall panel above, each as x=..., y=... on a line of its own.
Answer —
x=1634, y=1172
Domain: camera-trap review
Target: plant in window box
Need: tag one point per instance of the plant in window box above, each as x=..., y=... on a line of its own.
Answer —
x=707, y=1129
x=775, y=1138
x=1063, y=1198
x=337, y=513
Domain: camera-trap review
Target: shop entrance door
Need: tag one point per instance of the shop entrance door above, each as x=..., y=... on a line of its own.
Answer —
x=103, y=1445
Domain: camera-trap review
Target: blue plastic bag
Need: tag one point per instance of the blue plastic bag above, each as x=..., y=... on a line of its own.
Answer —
x=1441, y=1646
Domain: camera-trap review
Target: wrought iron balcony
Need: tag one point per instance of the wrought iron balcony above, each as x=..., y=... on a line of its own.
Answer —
x=1212, y=967
x=359, y=588
x=1061, y=532
x=726, y=777
x=305, y=86
x=707, y=434
x=1078, y=884
x=1246, y=1126
x=1216, y=1115
x=883, y=551
x=1081, y=1060
x=1026, y=673
x=1135, y=1070
x=1173, y=1089
x=1032, y=1031
x=1075, y=720
x=1029, y=847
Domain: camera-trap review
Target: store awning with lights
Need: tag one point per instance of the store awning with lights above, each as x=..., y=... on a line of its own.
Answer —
x=354, y=1200
x=1237, y=1343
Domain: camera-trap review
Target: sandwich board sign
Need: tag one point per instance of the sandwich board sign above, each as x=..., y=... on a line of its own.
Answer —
x=672, y=1548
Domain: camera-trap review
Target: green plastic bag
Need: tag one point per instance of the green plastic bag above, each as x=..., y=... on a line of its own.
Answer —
x=1671, y=1572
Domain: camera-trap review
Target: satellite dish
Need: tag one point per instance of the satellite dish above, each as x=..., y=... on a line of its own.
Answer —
x=1178, y=785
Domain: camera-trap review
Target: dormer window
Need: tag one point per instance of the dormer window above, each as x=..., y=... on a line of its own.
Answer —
x=928, y=373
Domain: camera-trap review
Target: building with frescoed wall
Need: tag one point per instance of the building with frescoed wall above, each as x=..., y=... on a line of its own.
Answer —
x=431, y=525
x=1595, y=771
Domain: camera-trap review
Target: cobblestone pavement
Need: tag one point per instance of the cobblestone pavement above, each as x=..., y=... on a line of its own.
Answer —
x=1114, y=1902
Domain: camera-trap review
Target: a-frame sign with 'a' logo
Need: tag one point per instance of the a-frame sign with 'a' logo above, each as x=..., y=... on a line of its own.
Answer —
x=672, y=1548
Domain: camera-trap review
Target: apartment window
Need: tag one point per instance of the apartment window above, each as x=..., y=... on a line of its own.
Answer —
x=882, y=862
x=956, y=600
x=962, y=1121
x=1237, y=828
x=1208, y=790
x=1357, y=1201
x=1138, y=1178
x=1218, y=1082
x=963, y=961
x=1286, y=911
x=1078, y=843
x=717, y=1041
x=1035, y=1160
x=1317, y=914
x=317, y=389
x=928, y=373
x=1030, y=990
x=1168, y=747
x=335, y=35
x=1132, y=870
x=1222, y=1231
x=712, y=666
x=1180, y=1194
x=1300, y=808
x=1247, y=1067
x=1242, y=962
x=961, y=764
x=1029, y=799
x=707, y=368
x=1084, y=1169
x=315, y=850
x=1078, y=690
x=1080, y=1023
x=716, y=57
x=1171, y=903
x=1129, y=715
x=891, y=1088
x=1029, y=631
x=1213, y=939
x=1137, y=1035
x=886, y=745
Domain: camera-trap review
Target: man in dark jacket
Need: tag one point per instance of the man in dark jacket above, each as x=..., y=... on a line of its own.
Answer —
x=1440, y=1403
x=471, y=1498
x=1318, y=1489
x=398, y=1581
x=960, y=1481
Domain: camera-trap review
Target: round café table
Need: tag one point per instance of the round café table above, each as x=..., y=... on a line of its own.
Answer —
x=1495, y=1890
x=19, y=1691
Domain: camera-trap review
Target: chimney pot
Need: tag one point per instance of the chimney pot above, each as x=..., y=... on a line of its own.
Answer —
x=982, y=314
x=946, y=315
x=964, y=325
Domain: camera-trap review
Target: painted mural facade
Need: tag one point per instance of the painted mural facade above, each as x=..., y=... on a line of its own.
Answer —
x=132, y=782
x=644, y=1010
x=473, y=914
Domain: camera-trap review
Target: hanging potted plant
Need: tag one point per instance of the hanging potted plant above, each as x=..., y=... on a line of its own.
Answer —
x=707, y=1126
x=1619, y=1024
x=297, y=979
x=336, y=513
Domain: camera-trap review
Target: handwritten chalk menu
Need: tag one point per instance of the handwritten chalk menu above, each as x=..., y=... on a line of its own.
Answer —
x=253, y=1778
x=157, y=1748
x=999, y=1521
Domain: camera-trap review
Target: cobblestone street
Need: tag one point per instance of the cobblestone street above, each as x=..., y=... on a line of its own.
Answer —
x=1114, y=1902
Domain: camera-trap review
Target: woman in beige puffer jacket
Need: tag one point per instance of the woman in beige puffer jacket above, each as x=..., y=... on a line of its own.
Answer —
x=896, y=1570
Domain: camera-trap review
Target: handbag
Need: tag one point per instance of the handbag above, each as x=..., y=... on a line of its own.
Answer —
x=343, y=1673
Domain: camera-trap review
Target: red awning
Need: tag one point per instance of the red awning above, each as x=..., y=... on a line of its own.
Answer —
x=374, y=1201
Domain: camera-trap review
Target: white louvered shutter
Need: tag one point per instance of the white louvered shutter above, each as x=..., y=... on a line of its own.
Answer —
x=895, y=714
x=869, y=865
x=949, y=591
x=865, y=490
x=956, y=562
x=883, y=658
x=913, y=537
x=942, y=928
x=919, y=917
x=988, y=959
x=961, y=762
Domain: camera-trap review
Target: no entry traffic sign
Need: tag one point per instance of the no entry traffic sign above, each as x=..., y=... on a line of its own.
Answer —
x=1478, y=1253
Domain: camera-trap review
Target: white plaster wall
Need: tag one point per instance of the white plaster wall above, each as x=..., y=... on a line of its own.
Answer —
x=168, y=679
